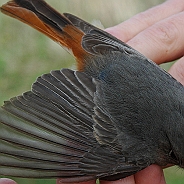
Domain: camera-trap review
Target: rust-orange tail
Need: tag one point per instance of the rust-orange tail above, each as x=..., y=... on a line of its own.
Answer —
x=45, y=19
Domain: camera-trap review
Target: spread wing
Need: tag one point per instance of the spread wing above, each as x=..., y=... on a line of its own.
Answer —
x=56, y=130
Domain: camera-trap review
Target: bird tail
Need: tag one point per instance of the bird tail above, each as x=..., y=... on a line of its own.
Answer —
x=41, y=16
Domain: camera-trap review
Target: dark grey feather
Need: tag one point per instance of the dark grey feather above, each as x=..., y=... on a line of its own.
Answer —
x=48, y=133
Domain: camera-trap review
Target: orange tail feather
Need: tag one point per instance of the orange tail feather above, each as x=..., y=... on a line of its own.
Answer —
x=65, y=33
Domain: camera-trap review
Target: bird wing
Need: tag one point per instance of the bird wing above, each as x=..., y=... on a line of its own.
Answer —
x=56, y=130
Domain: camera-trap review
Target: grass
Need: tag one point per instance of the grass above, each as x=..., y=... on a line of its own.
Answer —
x=174, y=175
x=25, y=54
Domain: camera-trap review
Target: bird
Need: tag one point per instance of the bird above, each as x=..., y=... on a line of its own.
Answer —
x=115, y=115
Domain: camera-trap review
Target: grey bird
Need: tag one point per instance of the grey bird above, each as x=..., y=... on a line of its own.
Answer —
x=116, y=115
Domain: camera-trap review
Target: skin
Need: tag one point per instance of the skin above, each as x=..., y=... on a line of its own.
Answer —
x=158, y=34
x=6, y=181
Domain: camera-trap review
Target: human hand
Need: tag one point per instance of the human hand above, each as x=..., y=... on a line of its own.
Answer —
x=158, y=34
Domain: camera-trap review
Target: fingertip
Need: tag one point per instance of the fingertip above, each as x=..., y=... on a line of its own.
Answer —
x=7, y=181
x=120, y=31
x=127, y=180
x=152, y=174
x=115, y=32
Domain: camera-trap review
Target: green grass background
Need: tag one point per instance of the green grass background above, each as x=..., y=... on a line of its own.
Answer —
x=25, y=54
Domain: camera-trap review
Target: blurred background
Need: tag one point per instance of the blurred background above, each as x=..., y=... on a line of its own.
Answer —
x=25, y=54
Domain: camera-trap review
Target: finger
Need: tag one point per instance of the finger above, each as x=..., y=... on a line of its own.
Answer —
x=7, y=181
x=177, y=70
x=59, y=181
x=127, y=180
x=163, y=41
x=128, y=29
x=151, y=175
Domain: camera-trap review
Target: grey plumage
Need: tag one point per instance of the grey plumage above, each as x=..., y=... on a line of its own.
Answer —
x=118, y=116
